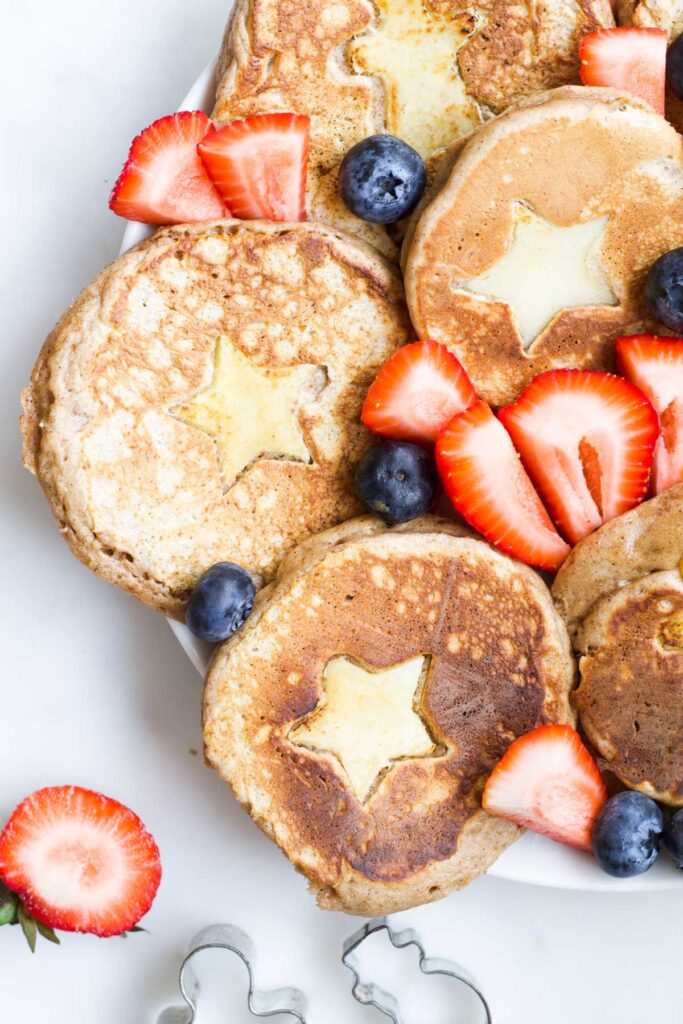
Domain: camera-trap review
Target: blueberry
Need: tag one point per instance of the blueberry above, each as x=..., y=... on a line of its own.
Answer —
x=627, y=833
x=673, y=837
x=664, y=289
x=674, y=67
x=381, y=179
x=396, y=480
x=220, y=602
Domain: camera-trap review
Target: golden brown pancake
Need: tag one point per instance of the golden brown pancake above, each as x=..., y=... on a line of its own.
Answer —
x=358, y=713
x=424, y=70
x=621, y=595
x=534, y=253
x=665, y=14
x=200, y=400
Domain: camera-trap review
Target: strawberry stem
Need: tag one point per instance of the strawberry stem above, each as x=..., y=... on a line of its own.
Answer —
x=13, y=911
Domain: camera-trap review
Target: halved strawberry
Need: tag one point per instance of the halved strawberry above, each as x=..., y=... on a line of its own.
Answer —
x=631, y=59
x=415, y=394
x=79, y=861
x=164, y=181
x=655, y=365
x=485, y=481
x=586, y=440
x=259, y=166
x=547, y=781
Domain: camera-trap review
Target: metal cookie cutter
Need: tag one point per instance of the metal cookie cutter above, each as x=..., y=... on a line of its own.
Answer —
x=373, y=995
x=261, y=1003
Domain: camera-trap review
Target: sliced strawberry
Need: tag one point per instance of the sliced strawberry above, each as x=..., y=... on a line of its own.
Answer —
x=547, y=781
x=631, y=59
x=164, y=181
x=259, y=166
x=415, y=394
x=79, y=861
x=586, y=440
x=485, y=481
x=655, y=365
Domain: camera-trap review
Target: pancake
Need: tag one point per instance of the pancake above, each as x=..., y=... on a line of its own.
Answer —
x=200, y=400
x=530, y=258
x=424, y=71
x=666, y=14
x=621, y=595
x=358, y=713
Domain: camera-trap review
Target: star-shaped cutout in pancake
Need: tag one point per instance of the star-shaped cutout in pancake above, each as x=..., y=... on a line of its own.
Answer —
x=429, y=106
x=367, y=719
x=252, y=411
x=547, y=268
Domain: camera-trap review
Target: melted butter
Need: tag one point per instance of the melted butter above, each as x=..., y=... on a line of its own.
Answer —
x=250, y=410
x=547, y=268
x=413, y=50
x=366, y=719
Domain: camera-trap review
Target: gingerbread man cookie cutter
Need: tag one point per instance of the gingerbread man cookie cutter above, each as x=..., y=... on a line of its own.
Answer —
x=261, y=1003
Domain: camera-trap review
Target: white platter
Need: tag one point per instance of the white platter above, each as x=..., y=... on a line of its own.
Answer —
x=533, y=860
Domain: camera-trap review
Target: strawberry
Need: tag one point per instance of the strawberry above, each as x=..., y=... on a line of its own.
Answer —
x=79, y=861
x=259, y=166
x=485, y=481
x=630, y=59
x=586, y=440
x=547, y=781
x=164, y=181
x=655, y=365
x=415, y=394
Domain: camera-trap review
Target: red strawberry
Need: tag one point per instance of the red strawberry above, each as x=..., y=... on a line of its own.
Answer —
x=630, y=59
x=415, y=394
x=586, y=440
x=259, y=165
x=547, y=781
x=485, y=481
x=655, y=365
x=164, y=181
x=79, y=861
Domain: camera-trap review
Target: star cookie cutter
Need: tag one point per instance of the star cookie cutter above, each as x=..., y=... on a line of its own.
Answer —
x=372, y=995
x=261, y=1003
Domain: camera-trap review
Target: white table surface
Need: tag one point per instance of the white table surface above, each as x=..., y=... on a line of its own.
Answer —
x=94, y=688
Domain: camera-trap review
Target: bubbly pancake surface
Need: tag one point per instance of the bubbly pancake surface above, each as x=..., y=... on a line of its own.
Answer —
x=630, y=700
x=200, y=401
x=628, y=183
x=425, y=70
x=377, y=834
x=621, y=594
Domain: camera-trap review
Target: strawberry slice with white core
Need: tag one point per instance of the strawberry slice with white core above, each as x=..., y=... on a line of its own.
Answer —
x=164, y=181
x=259, y=166
x=416, y=393
x=630, y=59
x=486, y=482
x=80, y=861
x=655, y=365
x=547, y=781
x=586, y=440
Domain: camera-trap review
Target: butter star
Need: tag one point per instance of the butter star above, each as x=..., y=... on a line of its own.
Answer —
x=366, y=719
x=413, y=50
x=250, y=410
x=546, y=269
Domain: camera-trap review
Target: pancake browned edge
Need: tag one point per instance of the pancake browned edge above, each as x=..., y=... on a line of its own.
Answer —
x=140, y=493
x=631, y=172
x=665, y=14
x=424, y=71
x=621, y=595
x=500, y=665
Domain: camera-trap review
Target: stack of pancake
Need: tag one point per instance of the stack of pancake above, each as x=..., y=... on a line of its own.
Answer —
x=200, y=403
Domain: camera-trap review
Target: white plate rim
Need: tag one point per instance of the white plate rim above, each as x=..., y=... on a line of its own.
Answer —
x=533, y=860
